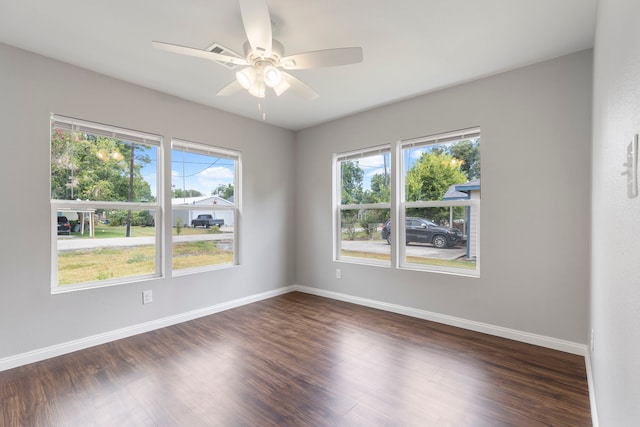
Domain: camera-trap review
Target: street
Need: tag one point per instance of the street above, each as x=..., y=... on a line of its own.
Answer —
x=66, y=243
x=413, y=249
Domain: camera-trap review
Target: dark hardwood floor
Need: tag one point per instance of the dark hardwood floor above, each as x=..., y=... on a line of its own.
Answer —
x=301, y=360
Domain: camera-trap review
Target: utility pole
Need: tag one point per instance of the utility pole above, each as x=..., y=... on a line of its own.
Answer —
x=131, y=164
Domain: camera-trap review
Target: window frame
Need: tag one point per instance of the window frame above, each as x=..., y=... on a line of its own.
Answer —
x=209, y=150
x=62, y=205
x=398, y=204
x=338, y=207
x=403, y=204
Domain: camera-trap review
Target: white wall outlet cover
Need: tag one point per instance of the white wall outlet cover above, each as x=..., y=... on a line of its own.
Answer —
x=147, y=297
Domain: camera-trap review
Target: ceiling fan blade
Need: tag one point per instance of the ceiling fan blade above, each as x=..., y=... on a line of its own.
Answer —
x=300, y=88
x=183, y=50
x=257, y=24
x=322, y=58
x=230, y=89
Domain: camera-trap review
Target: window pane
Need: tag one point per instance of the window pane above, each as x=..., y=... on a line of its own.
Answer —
x=202, y=238
x=197, y=176
x=362, y=235
x=441, y=236
x=437, y=172
x=432, y=172
x=204, y=201
x=92, y=167
x=96, y=245
x=365, y=180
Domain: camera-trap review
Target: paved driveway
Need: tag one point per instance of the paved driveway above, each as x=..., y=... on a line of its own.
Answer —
x=413, y=249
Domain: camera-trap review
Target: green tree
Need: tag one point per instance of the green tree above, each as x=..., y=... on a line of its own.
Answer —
x=429, y=179
x=91, y=167
x=349, y=220
x=179, y=193
x=224, y=191
x=380, y=191
x=98, y=168
x=469, y=153
x=352, y=178
x=432, y=175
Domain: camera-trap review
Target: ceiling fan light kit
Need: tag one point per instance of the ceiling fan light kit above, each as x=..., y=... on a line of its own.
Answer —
x=272, y=76
x=264, y=57
x=247, y=77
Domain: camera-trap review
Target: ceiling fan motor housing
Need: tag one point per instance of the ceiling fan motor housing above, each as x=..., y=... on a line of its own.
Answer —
x=257, y=56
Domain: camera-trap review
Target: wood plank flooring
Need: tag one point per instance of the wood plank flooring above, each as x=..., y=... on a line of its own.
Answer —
x=301, y=360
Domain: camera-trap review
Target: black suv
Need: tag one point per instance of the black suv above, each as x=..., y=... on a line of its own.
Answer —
x=424, y=231
x=63, y=225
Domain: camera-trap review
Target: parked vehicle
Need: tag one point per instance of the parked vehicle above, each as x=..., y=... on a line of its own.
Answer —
x=422, y=230
x=206, y=220
x=64, y=227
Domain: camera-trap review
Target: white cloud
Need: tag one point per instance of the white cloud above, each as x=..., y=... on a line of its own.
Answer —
x=416, y=153
x=371, y=162
x=217, y=173
x=212, y=177
x=371, y=166
x=205, y=180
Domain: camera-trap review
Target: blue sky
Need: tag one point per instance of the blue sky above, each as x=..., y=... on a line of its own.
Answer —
x=371, y=166
x=198, y=172
x=191, y=171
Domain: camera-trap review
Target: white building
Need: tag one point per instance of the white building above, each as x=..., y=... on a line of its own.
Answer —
x=470, y=190
x=213, y=201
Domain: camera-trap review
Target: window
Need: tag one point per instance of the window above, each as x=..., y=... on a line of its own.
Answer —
x=104, y=207
x=430, y=185
x=363, y=200
x=440, y=202
x=204, y=200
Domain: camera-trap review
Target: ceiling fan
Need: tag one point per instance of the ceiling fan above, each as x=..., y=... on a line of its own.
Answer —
x=264, y=57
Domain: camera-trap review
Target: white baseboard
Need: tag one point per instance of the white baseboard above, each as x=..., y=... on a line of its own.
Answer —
x=82, y=343
x=592, y=390
x=526, y=337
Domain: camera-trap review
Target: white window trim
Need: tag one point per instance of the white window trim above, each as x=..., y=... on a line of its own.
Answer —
x=403, y=205
x=225, y=153
x=77, y=125
x=338, y=207
x=398, y=203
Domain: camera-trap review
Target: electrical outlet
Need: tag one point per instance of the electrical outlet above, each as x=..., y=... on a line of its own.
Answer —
x=338, y=273
x=591, y=344
x=147, y=297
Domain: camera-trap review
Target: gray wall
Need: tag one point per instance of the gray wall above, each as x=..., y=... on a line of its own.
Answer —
x=31, y=318
x=615, y=272
x=536, y=134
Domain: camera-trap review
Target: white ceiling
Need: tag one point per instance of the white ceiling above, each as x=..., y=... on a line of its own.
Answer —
x=410, y=47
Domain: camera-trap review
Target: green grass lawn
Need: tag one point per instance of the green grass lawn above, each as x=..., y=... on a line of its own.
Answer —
x=103, y=231
x=89, y=265
x=457, y=263
x=361, y=235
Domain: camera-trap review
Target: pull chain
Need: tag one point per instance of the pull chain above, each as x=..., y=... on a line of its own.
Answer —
x=262, y=107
